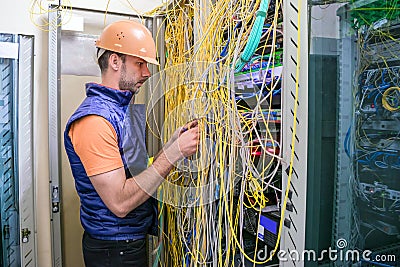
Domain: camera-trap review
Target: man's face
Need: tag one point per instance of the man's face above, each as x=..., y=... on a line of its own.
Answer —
x=134, y=73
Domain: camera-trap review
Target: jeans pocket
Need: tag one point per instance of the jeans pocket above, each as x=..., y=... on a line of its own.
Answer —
x=134, y=253
x=95, y=253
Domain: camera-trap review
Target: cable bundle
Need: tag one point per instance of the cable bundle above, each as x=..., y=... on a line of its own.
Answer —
x=206, y=196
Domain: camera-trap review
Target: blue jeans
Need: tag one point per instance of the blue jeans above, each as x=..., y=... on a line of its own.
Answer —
x=109, y=253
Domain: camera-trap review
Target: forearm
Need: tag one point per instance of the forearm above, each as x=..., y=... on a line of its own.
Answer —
x=168, y=144
x=139, y=188
x=122, y=195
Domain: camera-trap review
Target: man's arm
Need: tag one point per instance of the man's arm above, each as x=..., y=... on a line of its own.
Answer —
x=176, y=134
x=122, y=195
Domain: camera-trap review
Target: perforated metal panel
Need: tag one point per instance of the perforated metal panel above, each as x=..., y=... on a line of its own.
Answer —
x=295, y=125
x=343, y=199
x=54, y=132
x=24, y=161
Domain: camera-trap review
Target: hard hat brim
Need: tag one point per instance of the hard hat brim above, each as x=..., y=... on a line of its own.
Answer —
x=147, y=59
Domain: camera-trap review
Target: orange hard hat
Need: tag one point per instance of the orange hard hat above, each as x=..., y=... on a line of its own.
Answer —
x=130, y=38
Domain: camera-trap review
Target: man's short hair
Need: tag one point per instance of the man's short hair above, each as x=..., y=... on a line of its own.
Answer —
x=103, y=59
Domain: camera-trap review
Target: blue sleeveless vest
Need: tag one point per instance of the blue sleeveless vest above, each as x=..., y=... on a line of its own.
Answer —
x=129, y=124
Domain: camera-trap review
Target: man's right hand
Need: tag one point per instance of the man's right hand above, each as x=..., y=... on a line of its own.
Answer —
x=185, y=145
x=188, y=141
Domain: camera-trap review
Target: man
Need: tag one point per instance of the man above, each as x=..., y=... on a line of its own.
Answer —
x=117, y=210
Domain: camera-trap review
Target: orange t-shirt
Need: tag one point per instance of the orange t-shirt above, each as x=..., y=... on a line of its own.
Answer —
x=95, y=142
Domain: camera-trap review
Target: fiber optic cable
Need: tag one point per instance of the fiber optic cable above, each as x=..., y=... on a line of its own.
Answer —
x=255, y=35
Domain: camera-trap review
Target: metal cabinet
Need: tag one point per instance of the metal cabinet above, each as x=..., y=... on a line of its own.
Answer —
x=16, y=153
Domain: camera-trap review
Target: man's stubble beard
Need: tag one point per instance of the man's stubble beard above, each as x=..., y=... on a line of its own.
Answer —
x=124, y=84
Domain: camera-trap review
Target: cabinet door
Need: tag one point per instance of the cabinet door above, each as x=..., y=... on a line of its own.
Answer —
x=16, y=172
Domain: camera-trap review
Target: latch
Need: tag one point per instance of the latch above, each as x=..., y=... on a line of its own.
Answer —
x=25, y=235
x=55, y=195
x=6, y=232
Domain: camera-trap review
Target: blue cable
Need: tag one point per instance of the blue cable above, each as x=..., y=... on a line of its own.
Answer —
x=383, y=76
x=379, y=93
x=347, y=142
x=384, y=163
x=275, y=92
x=377, y=263
x=187, y=258
x=225, y=49
x=373, y=160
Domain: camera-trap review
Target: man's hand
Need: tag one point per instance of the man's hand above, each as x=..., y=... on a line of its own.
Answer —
x=189, y=139
x=183, y=129
x=178, y=132
x=186, y=144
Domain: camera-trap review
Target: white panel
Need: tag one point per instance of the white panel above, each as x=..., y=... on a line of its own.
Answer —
x=78, y=54
x=8, y=50
x=25, y=153
x=73, y=23
x=325, y=15
x=295, y=125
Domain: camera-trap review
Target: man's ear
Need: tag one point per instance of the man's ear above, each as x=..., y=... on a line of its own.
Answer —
x=114, y=61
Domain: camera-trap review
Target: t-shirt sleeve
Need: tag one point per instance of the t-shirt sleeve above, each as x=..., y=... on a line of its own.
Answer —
x=95, y=142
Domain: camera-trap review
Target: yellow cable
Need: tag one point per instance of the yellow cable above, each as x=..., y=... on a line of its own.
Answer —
x=392, y=92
